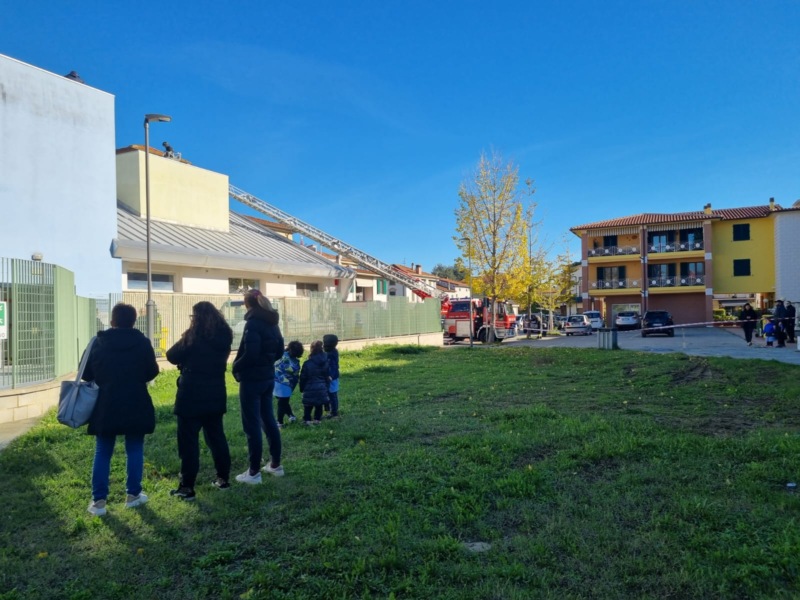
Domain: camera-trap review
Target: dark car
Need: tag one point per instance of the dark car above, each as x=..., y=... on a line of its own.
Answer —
x=661, y=320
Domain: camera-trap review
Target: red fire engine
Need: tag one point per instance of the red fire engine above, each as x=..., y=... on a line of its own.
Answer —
x=455, y=314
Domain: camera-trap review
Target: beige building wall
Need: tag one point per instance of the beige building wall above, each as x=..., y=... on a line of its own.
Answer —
x=179, y=192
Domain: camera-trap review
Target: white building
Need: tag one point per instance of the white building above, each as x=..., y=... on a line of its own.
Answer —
x=197, y=245
x=57, y=174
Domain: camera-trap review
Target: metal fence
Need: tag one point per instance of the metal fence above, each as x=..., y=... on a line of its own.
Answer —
x=305, y=319
x=46, y=325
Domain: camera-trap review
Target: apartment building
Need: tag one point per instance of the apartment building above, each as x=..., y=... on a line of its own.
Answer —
x=687, y=263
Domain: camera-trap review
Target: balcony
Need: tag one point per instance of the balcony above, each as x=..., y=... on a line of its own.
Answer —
x=675, y=247
x=675, y=281
x=614, y=251
x=616, y=284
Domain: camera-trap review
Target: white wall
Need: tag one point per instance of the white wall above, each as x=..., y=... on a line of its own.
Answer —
x=787, y=255
x=57, y=174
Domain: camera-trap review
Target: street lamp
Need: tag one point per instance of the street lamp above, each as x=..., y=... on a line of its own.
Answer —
x=469, y=260
x=150, y=306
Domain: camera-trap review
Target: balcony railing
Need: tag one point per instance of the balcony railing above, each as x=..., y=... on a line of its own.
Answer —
x=614, y=251
x=616, y=284
x=676, y=281
x=675, y=247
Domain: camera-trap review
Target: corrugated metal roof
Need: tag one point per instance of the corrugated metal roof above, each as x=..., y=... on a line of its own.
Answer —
x=747, y=212
x=246, y=246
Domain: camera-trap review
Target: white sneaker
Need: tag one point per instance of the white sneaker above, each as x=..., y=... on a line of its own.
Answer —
x=277, y=471
x=247, y=478
x=97, y=508
x=292, y=419
x=134, y=501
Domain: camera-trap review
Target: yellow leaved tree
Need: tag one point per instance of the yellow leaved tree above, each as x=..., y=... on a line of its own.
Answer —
x=493, y=224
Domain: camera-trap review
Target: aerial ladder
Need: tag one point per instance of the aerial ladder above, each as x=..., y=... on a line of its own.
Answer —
x=420, y=288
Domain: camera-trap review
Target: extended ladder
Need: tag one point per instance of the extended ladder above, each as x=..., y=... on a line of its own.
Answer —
x=420, y=288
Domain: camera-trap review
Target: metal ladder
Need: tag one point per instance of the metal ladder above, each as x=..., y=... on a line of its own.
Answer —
x=420, y=288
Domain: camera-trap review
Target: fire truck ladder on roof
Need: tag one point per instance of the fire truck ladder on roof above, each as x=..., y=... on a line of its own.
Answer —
x=417, y=286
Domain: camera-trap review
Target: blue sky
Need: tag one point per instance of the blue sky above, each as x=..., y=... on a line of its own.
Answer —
x=363, y=117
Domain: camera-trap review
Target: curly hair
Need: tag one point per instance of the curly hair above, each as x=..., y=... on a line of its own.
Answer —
x=315, y=348
x=207, y=322
x=295, y=349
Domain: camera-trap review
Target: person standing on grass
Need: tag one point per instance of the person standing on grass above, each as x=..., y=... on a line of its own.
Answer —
x=201, y=401
x=287, y=374
x=254, y=369
x=121, y=362
x=329, y=343
x=748, y=318
x=314, y=382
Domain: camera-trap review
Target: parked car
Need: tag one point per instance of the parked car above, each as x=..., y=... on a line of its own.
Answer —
x=660, y=319
x=627, y=319
x=560, y=322
x=595, y=317
x=578, y=324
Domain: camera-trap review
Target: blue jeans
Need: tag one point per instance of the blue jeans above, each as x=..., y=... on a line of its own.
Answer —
x=255, y=398
x=101, y=470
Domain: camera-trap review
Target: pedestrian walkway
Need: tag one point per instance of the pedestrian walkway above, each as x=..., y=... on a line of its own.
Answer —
x=10, y=431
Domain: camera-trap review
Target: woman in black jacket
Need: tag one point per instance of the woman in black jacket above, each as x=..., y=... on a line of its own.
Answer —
x=121, y=363
x=254, y=369
x=748, y=320
x=202, y=358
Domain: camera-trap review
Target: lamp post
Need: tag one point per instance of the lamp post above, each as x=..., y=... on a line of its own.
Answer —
x=150, y=306
x=471, y=319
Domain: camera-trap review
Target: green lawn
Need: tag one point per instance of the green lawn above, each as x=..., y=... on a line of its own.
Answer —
x=589, y=474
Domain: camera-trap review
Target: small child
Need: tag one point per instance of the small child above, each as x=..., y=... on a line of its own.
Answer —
x=287, y=374
x=769, y=333
x=329, y=343
x=314, y=383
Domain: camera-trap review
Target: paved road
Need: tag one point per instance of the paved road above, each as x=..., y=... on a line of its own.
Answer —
x=700, y=341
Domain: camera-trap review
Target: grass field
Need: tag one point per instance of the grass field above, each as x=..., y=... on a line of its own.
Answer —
x=454, y=473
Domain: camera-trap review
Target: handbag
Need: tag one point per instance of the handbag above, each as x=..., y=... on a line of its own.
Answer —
x=77, y=398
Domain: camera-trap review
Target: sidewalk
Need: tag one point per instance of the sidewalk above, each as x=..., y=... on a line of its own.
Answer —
x=9, y=431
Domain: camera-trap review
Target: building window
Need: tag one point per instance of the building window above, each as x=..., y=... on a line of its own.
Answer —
x=237, y=285
x=692, y=273
x=741, y=267
x=161, y=283
x=611, y=277
x=305, y=289
x=741, y=233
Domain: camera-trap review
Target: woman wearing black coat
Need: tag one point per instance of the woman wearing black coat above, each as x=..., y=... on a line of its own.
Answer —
x=121, y=362
x=202, y=358
x=314, y=380
x=748, y=319
x=254, y=369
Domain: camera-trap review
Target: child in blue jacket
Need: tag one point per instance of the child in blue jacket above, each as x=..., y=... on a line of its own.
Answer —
x=287, y=374
x=329, y=343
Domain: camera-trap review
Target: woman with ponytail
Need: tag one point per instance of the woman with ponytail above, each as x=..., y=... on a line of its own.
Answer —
x=254, y=369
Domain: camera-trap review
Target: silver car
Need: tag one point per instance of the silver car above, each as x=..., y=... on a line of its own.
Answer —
x=578, y=324
x=627, y=319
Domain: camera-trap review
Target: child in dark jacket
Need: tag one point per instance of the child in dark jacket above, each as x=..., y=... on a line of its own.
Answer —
x=287, y=374
x=329, y=343
x=314, y=383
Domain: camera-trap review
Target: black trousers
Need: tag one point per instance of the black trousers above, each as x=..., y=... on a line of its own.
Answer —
x=189, y=447
x=789, y=323
x=284, y=408
x=307, y=412
x=748, y=331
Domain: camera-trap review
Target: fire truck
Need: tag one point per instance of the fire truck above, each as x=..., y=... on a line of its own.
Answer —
x=455, y=314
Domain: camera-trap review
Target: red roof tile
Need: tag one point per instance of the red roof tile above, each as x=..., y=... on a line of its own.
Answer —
x=747, y=212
